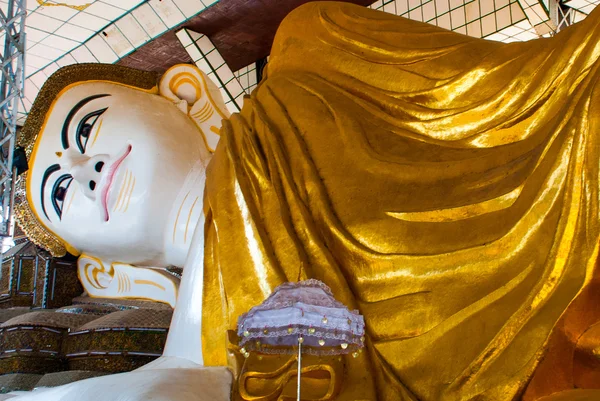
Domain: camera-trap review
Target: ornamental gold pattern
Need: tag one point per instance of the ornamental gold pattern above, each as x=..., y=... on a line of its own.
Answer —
x=48, y=4
x=60, y=80
x=445, y=186
x=26, y=219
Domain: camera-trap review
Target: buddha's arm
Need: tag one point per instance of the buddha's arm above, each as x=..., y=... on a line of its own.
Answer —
x=173, y=384
x=184, y=339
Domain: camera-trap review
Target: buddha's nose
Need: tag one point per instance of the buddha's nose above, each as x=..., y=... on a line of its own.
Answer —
x=88, y=172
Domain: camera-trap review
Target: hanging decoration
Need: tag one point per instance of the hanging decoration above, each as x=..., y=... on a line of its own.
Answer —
x=301, y=317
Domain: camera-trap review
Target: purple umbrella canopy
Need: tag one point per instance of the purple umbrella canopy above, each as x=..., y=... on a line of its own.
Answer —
x=304, y=312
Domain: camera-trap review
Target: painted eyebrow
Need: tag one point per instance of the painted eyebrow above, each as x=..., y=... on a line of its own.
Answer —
x=49, y=171
x=74, y=110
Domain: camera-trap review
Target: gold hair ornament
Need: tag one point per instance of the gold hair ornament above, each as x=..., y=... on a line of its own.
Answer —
x=36, y=118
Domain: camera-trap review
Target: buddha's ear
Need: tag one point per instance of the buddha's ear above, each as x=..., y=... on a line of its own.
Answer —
x=187, y=82
x=196, y=95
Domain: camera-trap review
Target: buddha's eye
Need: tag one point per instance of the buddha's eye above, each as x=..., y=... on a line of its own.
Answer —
x=84, y=128
x=59, y=192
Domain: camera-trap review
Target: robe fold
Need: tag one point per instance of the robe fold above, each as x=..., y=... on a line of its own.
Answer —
x=445, y=186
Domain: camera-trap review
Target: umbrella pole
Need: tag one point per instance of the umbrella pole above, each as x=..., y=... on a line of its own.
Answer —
x=299, y=363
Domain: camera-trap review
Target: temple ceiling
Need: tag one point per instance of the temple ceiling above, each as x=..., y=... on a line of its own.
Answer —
x=142, y=34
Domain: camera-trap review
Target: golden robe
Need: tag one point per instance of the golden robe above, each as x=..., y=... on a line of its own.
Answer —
x=445, y=186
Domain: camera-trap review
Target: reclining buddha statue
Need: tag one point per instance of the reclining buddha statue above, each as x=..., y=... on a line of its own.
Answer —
x=445, y=186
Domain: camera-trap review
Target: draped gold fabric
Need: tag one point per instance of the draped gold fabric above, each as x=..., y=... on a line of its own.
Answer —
x=444, y=185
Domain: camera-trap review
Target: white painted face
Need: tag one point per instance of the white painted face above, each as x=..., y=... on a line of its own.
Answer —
x=107, y=167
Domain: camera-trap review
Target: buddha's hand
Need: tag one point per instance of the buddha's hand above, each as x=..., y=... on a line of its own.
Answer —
x=122, y=280
x=171, y=384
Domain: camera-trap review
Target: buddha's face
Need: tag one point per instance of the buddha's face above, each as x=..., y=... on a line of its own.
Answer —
x=107, y=167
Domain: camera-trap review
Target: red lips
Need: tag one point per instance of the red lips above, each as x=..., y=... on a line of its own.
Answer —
x=109, y=181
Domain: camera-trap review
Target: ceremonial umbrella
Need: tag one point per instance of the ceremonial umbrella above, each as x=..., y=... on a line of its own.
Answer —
x=303, y=314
